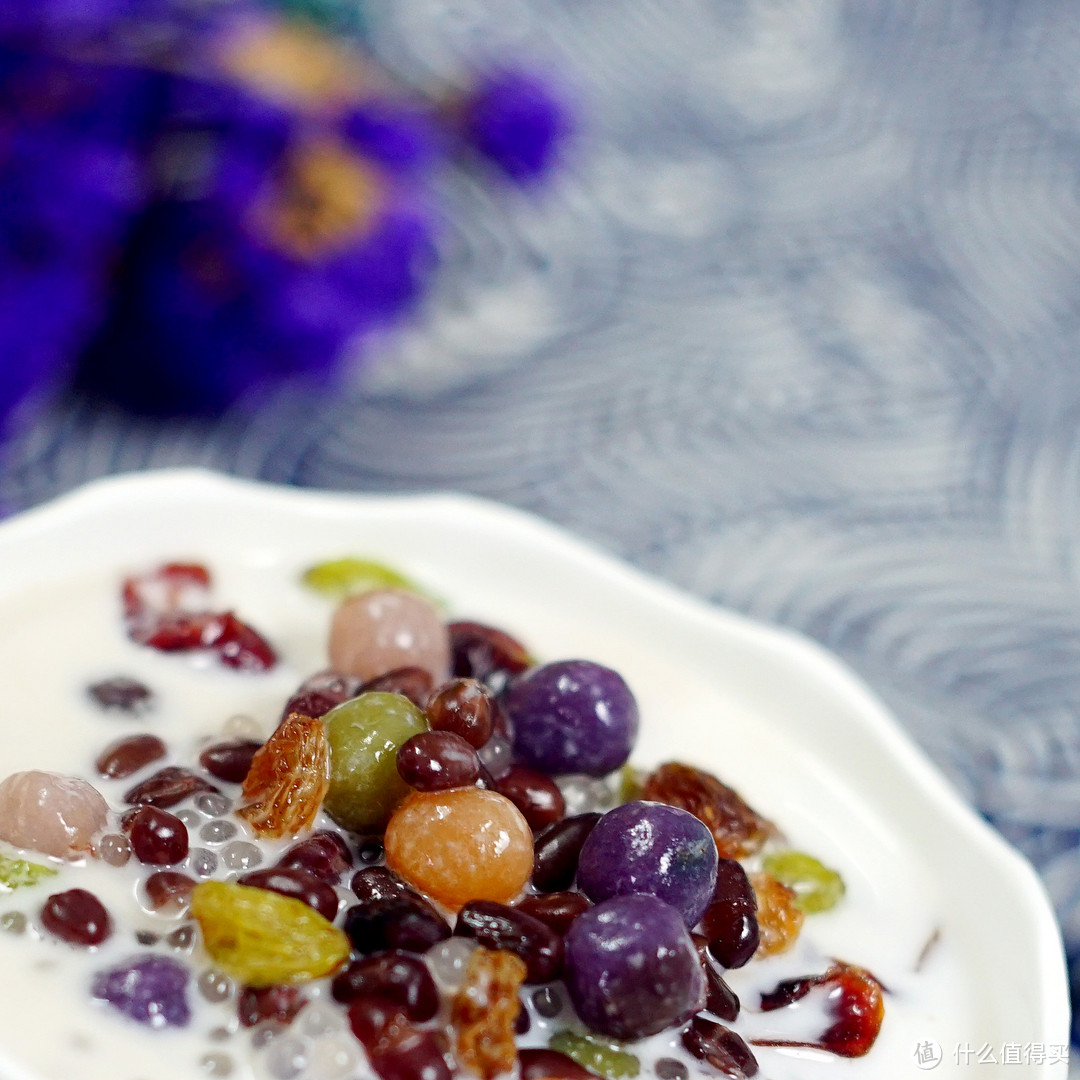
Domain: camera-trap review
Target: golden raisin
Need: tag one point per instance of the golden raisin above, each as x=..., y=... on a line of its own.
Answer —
x=737, y=829
x=779, y=916
x=484, y=1012
x=262, y=938
x=288, y=778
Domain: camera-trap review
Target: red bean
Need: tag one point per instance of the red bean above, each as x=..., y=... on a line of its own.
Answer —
x=158, y=838
x=720, y=1047
x=415, y=683
x=720, y=999
x=298, y=885
x=278, y=1003
x=320, y=693
x=229, y=761
x=464, y=707
x=168, y=889
x=556, y=851
x=391, y=915
x=76, y=916
x=557, y=910
x=497, y=926
x=419, y=1055
x=324, y=854
x=730, y=922
x=486, y=653
x=123, y=694
x=537, y=796
x=437, y=760
x=378, y=1022
x=166, y=788
x=129, y=755
x=543, y=1064
x=395, y=975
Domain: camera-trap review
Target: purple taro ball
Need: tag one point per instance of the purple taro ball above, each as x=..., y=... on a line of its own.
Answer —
x=149, y=990
x=572, y=716
x=631, y=968
x=647, y=847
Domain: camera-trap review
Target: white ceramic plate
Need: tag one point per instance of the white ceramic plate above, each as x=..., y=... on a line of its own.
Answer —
x=770, y=712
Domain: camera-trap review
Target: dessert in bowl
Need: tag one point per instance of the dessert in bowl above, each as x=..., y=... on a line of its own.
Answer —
x=871, y=884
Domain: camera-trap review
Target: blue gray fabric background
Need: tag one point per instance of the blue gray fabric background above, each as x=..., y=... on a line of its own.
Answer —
x=797, y=330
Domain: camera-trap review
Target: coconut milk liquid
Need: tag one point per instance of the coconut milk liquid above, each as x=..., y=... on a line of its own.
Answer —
x=56, y=642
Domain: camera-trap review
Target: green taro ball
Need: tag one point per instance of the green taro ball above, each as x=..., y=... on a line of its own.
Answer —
x=365, y=734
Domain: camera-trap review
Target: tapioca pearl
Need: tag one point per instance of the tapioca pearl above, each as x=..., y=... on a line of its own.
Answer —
x=202, y=863
x=191, y=818
x=213, y=804
x=217, y=831
x=285, y=1058
x=497, y=755
x=114, y=849
x=13, y=922
x=215, y=986
x=585, y=794
x=448, y=961
x=216, y=1064
x=332, y=1057
x=265, y=1034
x=183, y=938
x=241, y=855
x=671, y=1069
x=548, y=1002
x=317, y=1020
x=241, y=726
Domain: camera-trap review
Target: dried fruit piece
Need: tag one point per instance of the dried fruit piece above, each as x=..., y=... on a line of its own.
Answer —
x=261, y=938
x=596, y=1055
x=338, y=578
x=288, y=779
x=855, y=1002
x=720, y=1047
x=15, y=873
x=778, y=916
x=485, y=1010
x=166, y=788
x=817, y=888
x=738, y=830
x=56, y=815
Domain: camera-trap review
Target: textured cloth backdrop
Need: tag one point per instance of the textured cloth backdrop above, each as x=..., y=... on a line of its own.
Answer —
x=797, y=331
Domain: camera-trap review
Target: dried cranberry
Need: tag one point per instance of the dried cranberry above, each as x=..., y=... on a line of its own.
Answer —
x=158, y=838
x=76, y=916
x=229, y=761
x=277, y=1003
x=537, y=796
x=126, y=756
x=437, y=760
x=324, y=854
x=465, y=708
x=557, y=910
x=122, y=694
x=720, y=1047
x=556, y=851
x=496, y=926
x=166, y=788
x=298, y=885
x=239, y=646
x=398, y=976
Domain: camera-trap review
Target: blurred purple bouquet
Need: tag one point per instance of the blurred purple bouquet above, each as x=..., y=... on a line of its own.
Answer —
x=194, y=206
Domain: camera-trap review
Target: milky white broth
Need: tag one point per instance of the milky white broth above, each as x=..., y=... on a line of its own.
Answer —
x=56, y=641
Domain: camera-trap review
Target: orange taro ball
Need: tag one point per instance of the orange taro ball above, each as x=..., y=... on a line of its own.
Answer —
x=460, y=845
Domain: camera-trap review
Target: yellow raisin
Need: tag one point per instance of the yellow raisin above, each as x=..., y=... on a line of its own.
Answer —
x=262, y=938
x=779, y=916
x=484, y=1011
x=288, y=778
x=737, y=828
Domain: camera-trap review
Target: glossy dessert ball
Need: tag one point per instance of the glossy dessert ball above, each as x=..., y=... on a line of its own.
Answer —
x=572, y=716
x=631, y=968
x=460, y=845
x=385, y=629
x=646, y=847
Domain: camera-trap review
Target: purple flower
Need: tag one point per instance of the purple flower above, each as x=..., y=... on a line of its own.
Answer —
x=275, y=247
x=70, y=180
x=517, y=121
x=150, y=990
